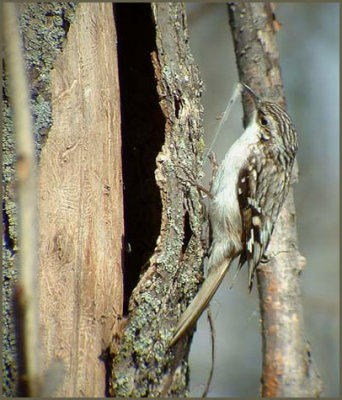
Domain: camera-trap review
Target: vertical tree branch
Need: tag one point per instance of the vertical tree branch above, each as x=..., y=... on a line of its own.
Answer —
x=288, y=368
x=26, y=292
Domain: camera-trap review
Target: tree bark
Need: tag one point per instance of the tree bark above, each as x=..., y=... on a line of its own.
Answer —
x=81, y=206
x=143, y=365
x=288, y=368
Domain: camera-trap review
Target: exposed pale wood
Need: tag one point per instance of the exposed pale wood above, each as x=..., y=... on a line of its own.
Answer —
x=80, y=205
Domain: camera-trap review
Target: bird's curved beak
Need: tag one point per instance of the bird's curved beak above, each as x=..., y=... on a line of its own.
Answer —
x=252, y=94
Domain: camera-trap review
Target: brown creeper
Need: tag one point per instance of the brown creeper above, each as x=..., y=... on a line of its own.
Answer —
x=248, y=192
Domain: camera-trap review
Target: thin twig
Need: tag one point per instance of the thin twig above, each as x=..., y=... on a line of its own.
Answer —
x=212, y=337
x=231, y=101
x=27, y=322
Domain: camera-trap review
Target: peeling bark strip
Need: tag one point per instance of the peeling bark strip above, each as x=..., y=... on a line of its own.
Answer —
x=143, y=365
x=288, y=368
x=80, y=205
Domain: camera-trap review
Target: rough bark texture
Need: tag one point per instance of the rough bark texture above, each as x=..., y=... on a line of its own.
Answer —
x=44, y=27
x=80, y=205
x=288, y=368
x=143, y=365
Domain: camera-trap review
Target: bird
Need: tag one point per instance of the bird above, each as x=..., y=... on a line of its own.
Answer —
x=248, y=192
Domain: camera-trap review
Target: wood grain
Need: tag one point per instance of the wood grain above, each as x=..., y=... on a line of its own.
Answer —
x=80, y=205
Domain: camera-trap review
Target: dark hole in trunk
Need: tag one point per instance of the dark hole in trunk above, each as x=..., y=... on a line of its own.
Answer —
x=142, y=137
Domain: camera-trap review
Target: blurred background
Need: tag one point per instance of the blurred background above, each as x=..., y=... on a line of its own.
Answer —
x=309, y=58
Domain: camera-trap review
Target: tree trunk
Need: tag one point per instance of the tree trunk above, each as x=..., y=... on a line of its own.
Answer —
x=81, y=206
x=80, y=192
x=143, y=365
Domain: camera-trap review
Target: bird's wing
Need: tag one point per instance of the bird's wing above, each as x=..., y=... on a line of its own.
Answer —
x=260, y=192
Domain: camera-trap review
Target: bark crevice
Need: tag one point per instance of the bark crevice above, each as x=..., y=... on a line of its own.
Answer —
x=142, y=137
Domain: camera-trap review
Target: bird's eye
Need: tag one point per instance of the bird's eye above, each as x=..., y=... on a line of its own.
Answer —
x=264, y=121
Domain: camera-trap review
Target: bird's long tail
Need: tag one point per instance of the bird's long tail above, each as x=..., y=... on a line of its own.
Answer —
x=201, y=300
